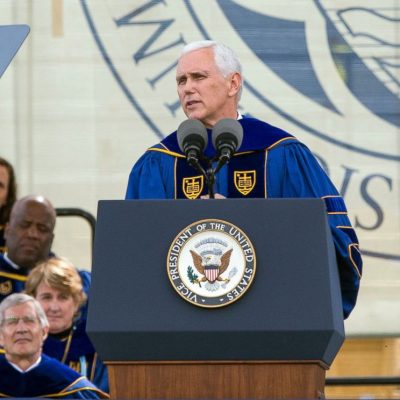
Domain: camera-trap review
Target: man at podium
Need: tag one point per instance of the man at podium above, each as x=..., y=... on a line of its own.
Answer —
x=270, y=162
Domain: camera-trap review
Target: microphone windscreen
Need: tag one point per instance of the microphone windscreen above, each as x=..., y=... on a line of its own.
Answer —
x=228, y=127
x=191, y=127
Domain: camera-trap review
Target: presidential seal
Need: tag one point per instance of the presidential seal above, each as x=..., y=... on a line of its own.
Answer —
x=211, y=263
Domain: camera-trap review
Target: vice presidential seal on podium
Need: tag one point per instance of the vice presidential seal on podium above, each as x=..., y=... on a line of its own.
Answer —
x=211, y=263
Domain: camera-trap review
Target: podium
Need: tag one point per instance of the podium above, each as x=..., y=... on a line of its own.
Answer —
x=275, y=341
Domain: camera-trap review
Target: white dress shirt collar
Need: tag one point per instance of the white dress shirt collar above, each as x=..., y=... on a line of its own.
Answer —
x=12, y=264
x=34, y=365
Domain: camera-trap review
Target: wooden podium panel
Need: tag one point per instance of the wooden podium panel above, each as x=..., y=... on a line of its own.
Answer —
x=217, y=380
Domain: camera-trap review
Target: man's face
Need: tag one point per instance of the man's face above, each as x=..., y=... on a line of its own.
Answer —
x=4, y=182
x=205, y=94
x=29, y=234
x=21, y=334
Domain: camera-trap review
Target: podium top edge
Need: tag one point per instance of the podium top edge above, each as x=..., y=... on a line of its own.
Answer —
x=283, y=199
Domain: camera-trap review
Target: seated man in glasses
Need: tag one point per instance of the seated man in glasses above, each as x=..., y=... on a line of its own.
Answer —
x=25, y=371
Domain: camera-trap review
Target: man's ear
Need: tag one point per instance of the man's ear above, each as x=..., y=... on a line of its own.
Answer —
x=236, y=83
x=45, y=333
x=1, y=339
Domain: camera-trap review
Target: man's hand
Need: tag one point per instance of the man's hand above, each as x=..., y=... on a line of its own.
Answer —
x=216, y=196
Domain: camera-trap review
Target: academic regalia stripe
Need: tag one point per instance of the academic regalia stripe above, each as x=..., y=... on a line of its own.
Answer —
x=17, y=277
x=355, y=257
x=335, y=205
x=280, y=141
x=349, y=231
x=265, y=174
x=171, y=153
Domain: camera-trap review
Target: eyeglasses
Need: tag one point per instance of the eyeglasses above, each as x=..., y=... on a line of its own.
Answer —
x=13, y=321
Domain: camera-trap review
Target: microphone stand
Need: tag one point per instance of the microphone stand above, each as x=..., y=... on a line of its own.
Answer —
x=210, y=178
x=223, y=159
x=209, y=174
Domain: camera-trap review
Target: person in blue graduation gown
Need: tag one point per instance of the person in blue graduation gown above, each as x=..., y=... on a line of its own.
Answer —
x=28, y=237
x=270, y=162
x=24, y=370
x=58, y=287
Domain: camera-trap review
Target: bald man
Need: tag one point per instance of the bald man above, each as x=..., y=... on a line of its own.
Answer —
x=28, y=236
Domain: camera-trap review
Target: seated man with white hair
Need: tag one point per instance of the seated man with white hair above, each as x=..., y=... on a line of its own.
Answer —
x=25, y=371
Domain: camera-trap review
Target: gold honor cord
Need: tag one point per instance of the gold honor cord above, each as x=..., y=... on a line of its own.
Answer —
x=67, y=346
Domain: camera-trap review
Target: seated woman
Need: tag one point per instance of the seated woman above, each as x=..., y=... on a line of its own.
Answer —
x=57, y=286
x=8, y=196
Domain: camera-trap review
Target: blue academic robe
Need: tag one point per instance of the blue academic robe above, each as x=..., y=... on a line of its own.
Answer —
x=78, y=353
x=11, y=281
x=270, y=163
x=49, y=379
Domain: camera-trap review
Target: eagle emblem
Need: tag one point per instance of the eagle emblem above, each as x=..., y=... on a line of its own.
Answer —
x=211, y=262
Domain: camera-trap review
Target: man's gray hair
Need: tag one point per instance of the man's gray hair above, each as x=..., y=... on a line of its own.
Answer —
x=225, y=58
x=16, y=299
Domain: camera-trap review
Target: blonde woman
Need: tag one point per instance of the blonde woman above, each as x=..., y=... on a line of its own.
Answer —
x=57, y=285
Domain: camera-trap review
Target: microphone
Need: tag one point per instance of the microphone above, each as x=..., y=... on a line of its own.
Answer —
x=227, y=136
x=192, y=140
